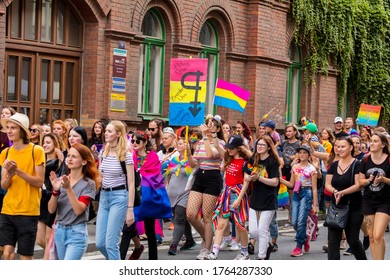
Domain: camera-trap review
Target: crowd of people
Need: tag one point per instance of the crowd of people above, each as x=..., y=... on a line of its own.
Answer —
x=224, y=181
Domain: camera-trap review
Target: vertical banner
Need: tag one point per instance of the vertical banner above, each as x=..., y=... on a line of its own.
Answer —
x=187, y=94
x=118, y=100
x=369, y=114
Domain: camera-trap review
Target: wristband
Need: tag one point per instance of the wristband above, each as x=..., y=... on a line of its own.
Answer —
x=55, y=193
x=129, y=206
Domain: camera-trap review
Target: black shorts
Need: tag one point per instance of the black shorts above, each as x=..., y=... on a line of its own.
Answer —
x=21, y=230
x=208, y=182
x=371, y=205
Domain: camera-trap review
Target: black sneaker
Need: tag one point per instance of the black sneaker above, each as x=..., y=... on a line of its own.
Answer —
x=172, y=250
x=188, y=245
x=366, y=242
x=269, y=250
x=251, y=249
x=275, y=248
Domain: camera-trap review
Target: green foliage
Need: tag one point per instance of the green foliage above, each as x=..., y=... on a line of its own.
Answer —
x=355, y=36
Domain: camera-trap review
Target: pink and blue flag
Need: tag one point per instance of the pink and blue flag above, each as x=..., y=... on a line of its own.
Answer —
x=231, y=96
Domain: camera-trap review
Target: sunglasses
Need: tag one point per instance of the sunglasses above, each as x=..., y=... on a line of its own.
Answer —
x=135, y=141
x=151, y=128
x=33, y=130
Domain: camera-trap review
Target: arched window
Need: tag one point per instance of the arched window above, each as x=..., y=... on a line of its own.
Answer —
x=151, y=64
x=294, y=85
x=208, y=37
x=43, y=56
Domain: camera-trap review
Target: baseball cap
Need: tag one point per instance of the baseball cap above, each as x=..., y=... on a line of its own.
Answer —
x=304, y=147
x=234, y=141
x=270, y=124
x=310, y=127
x=169, y=130
x=338, y=119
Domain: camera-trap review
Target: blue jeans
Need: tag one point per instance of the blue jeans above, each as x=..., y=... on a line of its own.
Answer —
x=71, y=241
x=301, y=205
x=273, y=227
x=109, y=222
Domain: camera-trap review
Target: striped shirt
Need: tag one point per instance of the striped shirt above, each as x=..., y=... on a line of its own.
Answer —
x=111, y=170
x=206, y=163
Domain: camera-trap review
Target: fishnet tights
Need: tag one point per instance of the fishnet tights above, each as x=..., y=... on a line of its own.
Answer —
x=206, y=202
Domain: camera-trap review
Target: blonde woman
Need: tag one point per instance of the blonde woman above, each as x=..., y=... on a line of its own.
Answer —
x=117, y=191
x=36, y=134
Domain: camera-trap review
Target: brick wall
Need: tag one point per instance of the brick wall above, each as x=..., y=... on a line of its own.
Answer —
x=254, y=39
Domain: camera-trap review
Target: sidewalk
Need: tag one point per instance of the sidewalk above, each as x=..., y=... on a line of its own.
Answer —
x=282, y=218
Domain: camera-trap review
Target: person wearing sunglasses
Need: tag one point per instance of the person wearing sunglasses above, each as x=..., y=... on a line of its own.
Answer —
x=155, y=202
x=155, y=133
x=36, y=134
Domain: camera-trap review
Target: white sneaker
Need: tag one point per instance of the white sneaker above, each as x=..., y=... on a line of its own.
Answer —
x=235, y=246
x=241, y=257
x=202, y=254
x=227, y=245
x=210, y=256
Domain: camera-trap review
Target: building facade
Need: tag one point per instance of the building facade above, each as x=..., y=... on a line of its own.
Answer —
x=110, y=59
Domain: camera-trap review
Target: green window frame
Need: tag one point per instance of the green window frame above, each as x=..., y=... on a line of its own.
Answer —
x=210, y=51
x=151, y=75
x=293, y=98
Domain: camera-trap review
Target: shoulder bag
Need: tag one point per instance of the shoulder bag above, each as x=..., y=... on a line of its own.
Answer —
x=337, y=215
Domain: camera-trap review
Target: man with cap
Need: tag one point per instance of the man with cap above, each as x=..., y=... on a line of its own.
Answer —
x=168, y=140
x=22, y=176
x=270, y=130
x=310, y=131
x=338, y=128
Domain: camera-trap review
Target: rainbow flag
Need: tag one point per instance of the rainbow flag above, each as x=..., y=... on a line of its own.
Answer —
x=230, y=96
x=369, y=114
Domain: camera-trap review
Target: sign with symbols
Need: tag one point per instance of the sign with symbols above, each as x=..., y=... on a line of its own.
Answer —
x=187, y=95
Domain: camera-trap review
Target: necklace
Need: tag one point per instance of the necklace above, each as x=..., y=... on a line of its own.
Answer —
x=345, y=169
x=112, y=147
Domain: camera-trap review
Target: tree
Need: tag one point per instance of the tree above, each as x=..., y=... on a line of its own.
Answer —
x=354, y=35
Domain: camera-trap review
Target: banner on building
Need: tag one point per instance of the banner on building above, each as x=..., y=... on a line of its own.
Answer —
x=187, y=94
x=369, y=114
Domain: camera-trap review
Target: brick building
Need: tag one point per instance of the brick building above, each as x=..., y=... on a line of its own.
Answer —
x=60, y=58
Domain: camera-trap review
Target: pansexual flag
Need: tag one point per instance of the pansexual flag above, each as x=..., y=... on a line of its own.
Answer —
x=230, y=96
x=369, y=114
x=187, y=94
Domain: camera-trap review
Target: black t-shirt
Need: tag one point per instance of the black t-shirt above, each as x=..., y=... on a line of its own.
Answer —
x=381, y=191
x=344, y=181
x=289, y=149
x=264, y=197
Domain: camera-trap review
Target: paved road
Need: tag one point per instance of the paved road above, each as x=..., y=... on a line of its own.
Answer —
x=285, y=242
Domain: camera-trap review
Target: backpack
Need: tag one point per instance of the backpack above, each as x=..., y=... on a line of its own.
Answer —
x=137, y=182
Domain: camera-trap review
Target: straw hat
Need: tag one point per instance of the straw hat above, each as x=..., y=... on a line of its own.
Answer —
x=21, y=120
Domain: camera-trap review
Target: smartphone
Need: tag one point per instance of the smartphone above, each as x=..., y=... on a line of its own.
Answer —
x=152, y=141
x=375, y=173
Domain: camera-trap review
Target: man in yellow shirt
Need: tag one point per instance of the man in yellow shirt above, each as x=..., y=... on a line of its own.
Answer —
x=23, y=171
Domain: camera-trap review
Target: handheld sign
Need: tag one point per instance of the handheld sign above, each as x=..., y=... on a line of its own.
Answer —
x=187, y=95
x=369, y=114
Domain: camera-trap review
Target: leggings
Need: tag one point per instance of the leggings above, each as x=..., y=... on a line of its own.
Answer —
x=150, y=232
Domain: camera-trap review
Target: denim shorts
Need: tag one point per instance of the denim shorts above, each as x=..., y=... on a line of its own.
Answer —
x=21, y=230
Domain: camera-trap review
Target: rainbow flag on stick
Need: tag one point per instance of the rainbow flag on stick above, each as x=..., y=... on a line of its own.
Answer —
x=230, y=96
